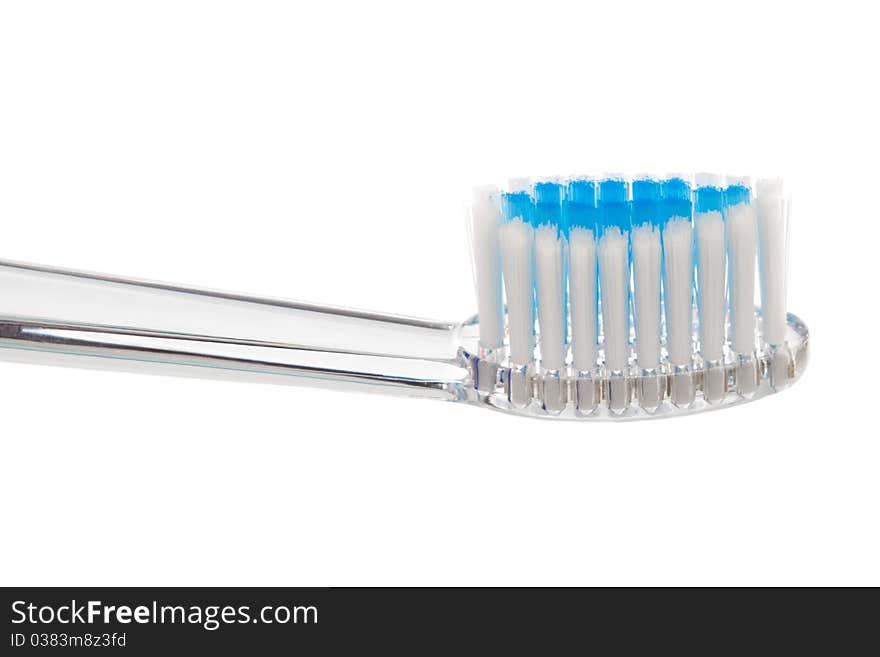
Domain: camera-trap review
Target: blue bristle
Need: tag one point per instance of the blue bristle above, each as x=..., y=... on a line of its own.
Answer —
x=708, y=199
x=646, y=201
x=614, y=206
x=517, y=204
x=579, y=207
x=675, y=199
x=548, y=204
x=736, y=194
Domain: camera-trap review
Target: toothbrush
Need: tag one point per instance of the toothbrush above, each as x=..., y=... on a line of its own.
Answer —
x=609, y=299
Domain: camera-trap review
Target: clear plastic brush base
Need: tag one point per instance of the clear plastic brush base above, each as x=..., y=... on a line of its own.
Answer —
x=634, y=394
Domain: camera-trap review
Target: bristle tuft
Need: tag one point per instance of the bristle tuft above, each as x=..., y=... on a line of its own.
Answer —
x=485, y=224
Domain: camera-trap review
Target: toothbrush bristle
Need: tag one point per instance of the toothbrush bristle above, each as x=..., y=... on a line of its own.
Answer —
x=581, y=215
x=711, y=267
x=740, y=221
x=549, y=274
x=485, y=224
x=772, y=246
x=646, y=271
x=613, y=250
x=517, y=239
x=671, y=260
x=676, y=208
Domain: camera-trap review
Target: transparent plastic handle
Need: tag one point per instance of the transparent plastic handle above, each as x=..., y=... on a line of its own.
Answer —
x=66, y=317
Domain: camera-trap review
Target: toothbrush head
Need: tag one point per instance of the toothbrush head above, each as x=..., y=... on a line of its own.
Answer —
x=631, y=299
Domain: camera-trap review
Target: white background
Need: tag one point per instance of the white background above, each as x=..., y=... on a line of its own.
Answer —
x=324, y=152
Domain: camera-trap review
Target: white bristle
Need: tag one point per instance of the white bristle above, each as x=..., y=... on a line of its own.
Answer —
x=519, y=185
x=485, y=224
x=614, y=285
x=704, y=179
x=710, y=282
x=646, y=279
x=678, y=253
x=767, y=187
x=549, y=271
x=772, y=239
x=516, y=264
x=741, y=245
x=582, y=247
